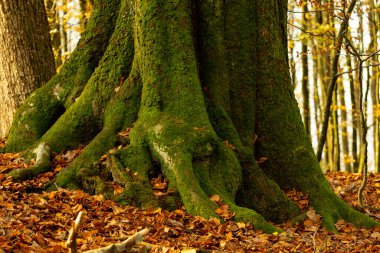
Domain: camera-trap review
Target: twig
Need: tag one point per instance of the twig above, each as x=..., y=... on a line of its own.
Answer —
x=355, y=69
x=123, y=246
x=71, y=242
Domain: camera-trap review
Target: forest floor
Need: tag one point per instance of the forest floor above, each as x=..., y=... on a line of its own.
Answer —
x=35, y=221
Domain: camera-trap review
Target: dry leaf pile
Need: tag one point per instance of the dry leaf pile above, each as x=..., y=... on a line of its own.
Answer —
x=40, y=222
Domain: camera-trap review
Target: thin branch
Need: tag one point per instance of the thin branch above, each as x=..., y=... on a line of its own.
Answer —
x=311, y=11
x=310, y=33
x=71, y=242
x=123, y=246
x=355, y=69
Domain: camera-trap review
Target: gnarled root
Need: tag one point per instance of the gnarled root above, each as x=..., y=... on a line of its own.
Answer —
x=131, y=167
x=42, y=157
x=332, y=208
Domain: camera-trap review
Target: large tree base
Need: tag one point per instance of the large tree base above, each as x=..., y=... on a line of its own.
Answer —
x=180, y=118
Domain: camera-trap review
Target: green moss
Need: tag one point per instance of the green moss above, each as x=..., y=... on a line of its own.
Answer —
x=33, y=119
x=121, y=112
x=24, y=174
x=250, y=216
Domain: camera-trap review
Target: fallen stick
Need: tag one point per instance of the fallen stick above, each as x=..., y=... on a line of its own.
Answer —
x=123, y=246
x=71, y=242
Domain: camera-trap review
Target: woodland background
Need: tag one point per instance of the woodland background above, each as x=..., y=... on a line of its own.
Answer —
x=352, y=145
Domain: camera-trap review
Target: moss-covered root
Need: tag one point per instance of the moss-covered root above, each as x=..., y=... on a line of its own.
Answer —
x=120, y=113
x=263, y=195
x=214, y=181
x=200, y=167
x=86, y=164
x=176, y=165
x=131, y=167
x=332, y=208
x=220, y=174
x=305, y=175
x=42, y=156
x=84, y=119
x=249, y=216
x=34, y=117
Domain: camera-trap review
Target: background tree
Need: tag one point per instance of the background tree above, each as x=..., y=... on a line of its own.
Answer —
x=67, y=19
x=85, y=7
x=305, y=72
x=200, y=91
x=373, y=78
x=54, y=25
x=26, y=59
x=326, y=18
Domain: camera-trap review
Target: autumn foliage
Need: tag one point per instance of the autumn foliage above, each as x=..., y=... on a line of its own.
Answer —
x=32, y=220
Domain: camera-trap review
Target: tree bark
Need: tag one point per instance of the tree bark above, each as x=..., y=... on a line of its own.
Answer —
x=26, y=59
x=189, y=84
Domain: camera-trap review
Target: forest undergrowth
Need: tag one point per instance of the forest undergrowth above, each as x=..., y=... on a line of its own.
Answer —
x=32, y=220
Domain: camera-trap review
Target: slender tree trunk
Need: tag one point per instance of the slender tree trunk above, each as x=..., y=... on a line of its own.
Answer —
x=62, y=13
x=344, y=130
x=335, y=127
x=53, y=17
x=354, y=115
x=26, y=59
x=292, y=63
x=374, y=84
x=305, y=73
x=333, y=77
x=322, y=80
x=316, y=87
x=85, y=8
x=361, y=99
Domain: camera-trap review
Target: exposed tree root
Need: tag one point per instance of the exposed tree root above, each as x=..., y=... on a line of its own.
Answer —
x=332, y=208
x=133, y=173
x=265, y=196
x=42, y=154
x=199, y=166
x=322, y=197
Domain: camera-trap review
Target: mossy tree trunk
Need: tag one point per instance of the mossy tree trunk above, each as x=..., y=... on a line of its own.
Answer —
x=203, y=88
